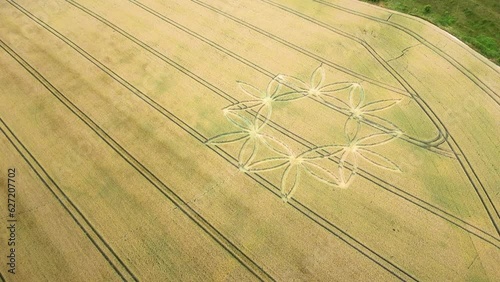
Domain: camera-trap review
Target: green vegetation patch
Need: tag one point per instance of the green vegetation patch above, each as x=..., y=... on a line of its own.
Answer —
x=476, y=22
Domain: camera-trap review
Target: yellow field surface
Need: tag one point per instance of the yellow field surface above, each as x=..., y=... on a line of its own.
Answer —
x=324, y=140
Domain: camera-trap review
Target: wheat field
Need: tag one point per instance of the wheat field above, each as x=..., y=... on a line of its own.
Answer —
x=223, y=140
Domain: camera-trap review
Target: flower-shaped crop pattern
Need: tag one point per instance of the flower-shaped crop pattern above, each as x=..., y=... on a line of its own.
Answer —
x=316, y=87
x=249, y=133
x=359, y=111
x=360, y=149
x=260, y=151
x=297, y=164
x=262, y=100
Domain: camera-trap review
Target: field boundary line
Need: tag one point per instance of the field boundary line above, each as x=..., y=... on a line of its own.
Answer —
x=460, y=155
x=365, y=251
x=440, y=213
x=435, y=28
x=159, y=185
x=477, y=81
x=92, y=234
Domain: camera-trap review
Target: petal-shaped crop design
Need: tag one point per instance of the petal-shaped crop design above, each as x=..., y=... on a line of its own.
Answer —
x=335, y=87
x=320, y=173
x=263, y=116
x=317, y=77
x=290, y=181
x=378, y=160
x=293, y=83
x=228, y=137
x=251, y=90
x=276, y=145
x=289, y=96
x=248, y=151
x=347, y=175
x=376, y=139
x=351, y=128
x=356, y=96
x=239, y=120
x=380, y=105
x=267, y=164
x=273, y=88
x=334, y=102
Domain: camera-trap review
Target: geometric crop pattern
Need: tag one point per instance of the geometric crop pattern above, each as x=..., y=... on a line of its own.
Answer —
x=260, y=152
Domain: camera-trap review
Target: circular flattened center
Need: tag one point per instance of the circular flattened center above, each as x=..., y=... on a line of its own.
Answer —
x=267, y=100
x=242, y=168
x=357, y=113
x=253, y=133
x=353, y=147
x=295, y=160
x=314, y=92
